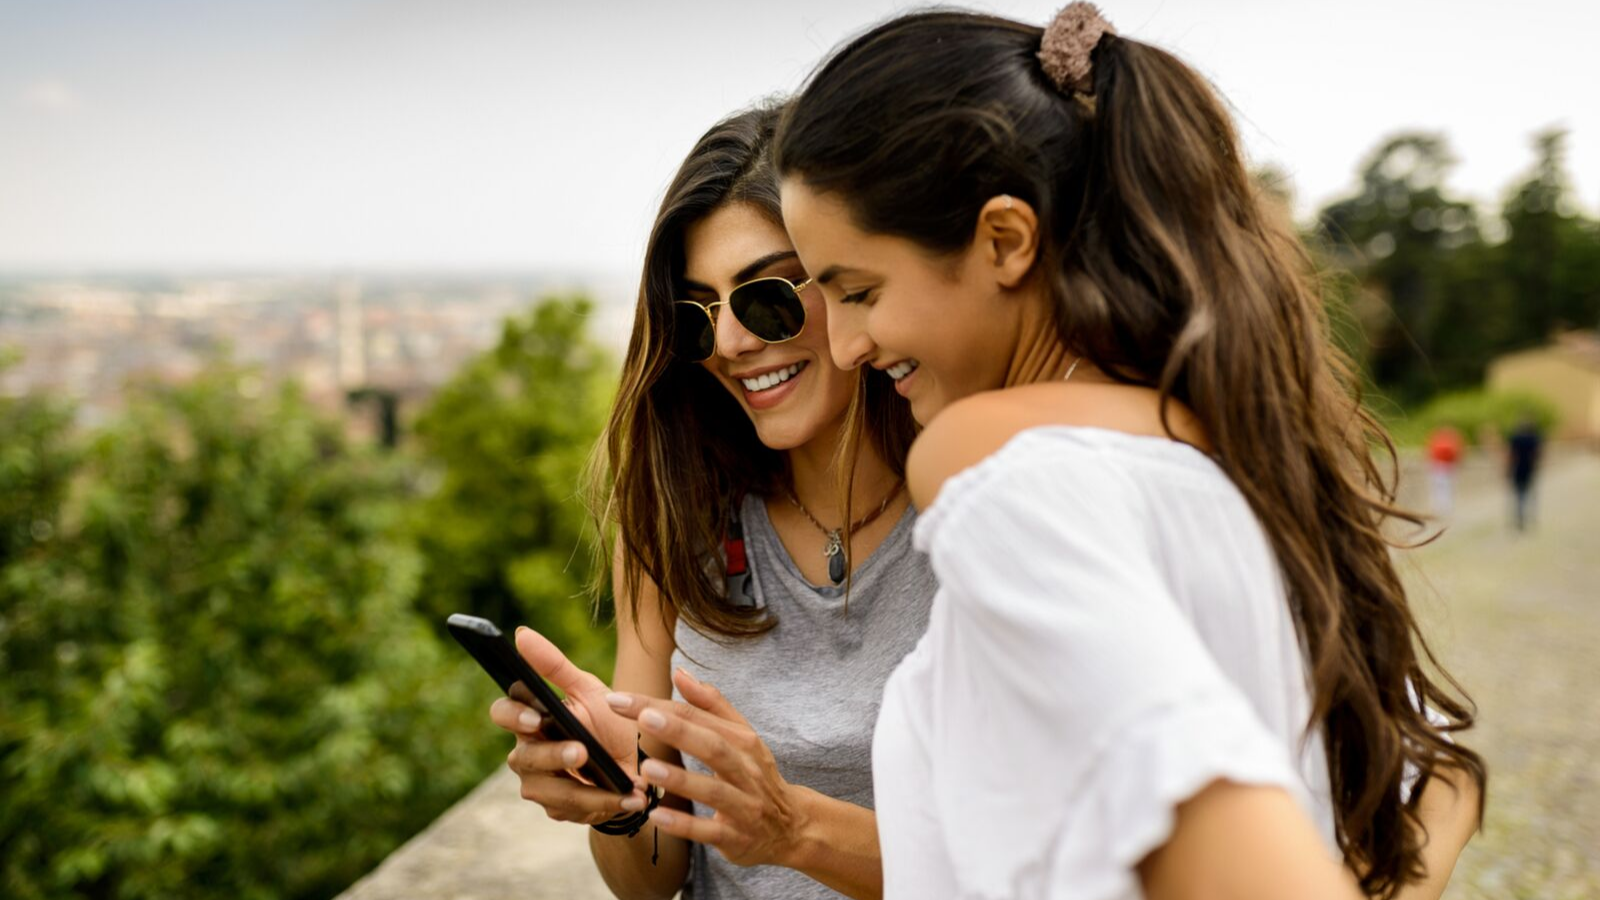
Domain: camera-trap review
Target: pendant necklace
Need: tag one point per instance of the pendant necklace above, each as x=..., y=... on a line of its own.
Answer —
x=835, y=550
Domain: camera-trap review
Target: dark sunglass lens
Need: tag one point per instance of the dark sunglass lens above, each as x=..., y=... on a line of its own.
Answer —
x=693, y=337
x=707, y=345
x=769, y=309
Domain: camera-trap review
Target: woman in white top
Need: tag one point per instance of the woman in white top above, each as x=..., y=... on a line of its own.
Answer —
x=1170, y=655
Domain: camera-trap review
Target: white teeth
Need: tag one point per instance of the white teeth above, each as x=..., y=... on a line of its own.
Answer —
x=771, y=379
x=903, y=368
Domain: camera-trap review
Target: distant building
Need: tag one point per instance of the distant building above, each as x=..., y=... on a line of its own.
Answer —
x=396, y=339
x=1565, y=372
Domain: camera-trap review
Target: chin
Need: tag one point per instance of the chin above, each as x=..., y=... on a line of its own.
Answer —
x=782, y=436
x=781, y=444
x=923, y=411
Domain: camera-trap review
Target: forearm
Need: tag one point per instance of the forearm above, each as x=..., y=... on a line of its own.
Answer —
x=644, y=653
x=838, y=846
x=625, y=865
x=1449, y=811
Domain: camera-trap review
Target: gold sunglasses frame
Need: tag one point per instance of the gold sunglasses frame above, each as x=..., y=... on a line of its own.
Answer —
x=708, y=307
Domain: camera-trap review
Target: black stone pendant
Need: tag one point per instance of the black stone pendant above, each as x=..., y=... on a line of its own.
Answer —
x=835, y=554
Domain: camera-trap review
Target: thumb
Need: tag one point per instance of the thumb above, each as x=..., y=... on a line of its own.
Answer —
x=548, y=660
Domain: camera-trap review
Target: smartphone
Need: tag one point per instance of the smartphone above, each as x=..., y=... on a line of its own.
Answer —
x=499, y=657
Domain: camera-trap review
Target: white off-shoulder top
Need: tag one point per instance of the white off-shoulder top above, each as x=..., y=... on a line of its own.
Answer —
x=1110, y=636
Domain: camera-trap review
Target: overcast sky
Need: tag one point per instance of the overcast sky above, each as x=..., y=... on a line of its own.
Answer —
x=526, y=134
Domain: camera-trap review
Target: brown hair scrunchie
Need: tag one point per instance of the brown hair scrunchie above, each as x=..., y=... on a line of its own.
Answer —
x=1068, y=41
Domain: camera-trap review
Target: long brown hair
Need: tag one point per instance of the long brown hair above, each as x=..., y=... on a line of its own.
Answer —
x=1169, y=270
x=678, y=450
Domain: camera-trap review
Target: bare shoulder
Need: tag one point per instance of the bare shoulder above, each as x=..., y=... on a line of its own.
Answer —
x=974, y=428
x=959, y=437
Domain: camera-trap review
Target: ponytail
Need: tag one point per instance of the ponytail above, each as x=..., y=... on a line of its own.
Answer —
x=1173, y=222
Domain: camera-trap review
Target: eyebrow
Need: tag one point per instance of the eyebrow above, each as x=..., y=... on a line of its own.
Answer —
x=749, y=271
x=832, y=272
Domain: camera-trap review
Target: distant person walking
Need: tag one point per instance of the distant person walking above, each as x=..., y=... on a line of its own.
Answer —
x=1444, y=452
x=1525, y=446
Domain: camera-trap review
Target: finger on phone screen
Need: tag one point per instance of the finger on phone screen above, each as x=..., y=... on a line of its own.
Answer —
x=548, y=660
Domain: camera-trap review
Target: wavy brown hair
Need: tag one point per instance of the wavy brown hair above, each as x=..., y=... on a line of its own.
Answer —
x=678, y=450
x=1170, y=270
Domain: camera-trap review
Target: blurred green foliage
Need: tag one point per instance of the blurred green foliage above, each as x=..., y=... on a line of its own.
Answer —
x=505, y=445
x=1477, y=415
x=224, y=675
x=1442, y=289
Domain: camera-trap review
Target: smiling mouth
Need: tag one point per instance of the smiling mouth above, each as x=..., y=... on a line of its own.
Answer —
x=771, y=379
x=901, y=369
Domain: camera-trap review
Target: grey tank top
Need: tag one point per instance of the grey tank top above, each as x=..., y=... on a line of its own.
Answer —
x=811, y=686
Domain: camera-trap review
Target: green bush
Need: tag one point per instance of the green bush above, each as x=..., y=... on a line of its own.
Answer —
x=217, y=684
x=223, y=674
x=1475, y=412
x=502, y=528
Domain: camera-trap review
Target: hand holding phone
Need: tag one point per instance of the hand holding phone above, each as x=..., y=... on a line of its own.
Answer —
x=583, y=734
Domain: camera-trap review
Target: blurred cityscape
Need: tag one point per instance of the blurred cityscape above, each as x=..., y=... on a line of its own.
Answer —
x=85, y=338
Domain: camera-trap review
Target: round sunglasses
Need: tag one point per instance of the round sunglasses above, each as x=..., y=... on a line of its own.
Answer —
x=769, y=308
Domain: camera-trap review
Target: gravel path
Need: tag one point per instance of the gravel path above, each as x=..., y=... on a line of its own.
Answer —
x=1517, y=619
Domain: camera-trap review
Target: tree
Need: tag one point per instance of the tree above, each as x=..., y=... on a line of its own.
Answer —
x=1551, y=255
x=216, y=680
x=1404, y=237
x=506, y=443
x=37, y=458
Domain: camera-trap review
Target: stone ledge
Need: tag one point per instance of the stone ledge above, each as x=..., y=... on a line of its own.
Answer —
x=492, y=845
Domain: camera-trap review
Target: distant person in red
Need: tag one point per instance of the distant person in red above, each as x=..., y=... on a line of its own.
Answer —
x=1444, y=452
x=1523, y=448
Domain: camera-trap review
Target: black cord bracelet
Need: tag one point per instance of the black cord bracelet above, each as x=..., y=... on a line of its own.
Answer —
x=628, y=824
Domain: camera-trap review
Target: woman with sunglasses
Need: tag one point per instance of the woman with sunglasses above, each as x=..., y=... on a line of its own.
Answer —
x=740, y=561
x=1171, y=656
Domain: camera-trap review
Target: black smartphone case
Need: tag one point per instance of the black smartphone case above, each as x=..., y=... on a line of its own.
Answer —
x=496, y=654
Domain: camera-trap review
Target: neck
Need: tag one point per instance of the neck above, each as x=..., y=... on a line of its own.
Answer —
x=816, y=481
x=1040, y=354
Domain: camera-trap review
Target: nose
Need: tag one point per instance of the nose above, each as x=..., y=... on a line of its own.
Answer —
x=848, y=341
x=733, y=339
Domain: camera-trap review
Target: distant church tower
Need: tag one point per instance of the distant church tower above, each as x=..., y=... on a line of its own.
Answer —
x=352, y=337
x=353, y=365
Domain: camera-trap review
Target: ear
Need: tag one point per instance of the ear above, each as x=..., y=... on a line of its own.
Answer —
x=1008, y=237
